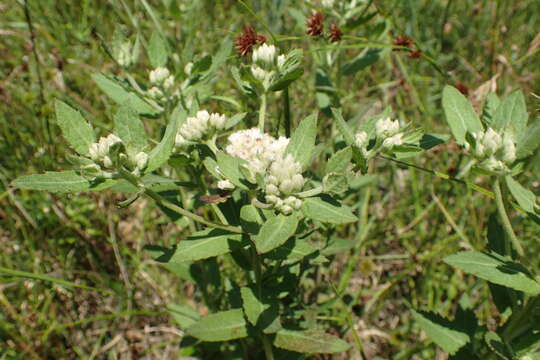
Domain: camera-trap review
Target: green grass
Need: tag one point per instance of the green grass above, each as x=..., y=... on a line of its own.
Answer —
x=80, y=284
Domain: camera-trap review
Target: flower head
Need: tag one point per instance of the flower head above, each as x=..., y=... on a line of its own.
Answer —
x=158, y=75
x=335, y=33
x=386, y=127
x=284, y=179
x=200, y=126
x=265, y=54
x=315, y=25
x=248, y=39
x=102, y=151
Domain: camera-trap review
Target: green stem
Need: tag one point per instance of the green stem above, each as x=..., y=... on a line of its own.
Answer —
x=257, y=268
x=262, y=112
x=312, y=192
x=169, y=205
x=504, y=217
x=287, y=112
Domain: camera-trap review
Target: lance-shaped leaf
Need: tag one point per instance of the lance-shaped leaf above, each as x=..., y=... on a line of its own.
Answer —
x=130, y=129
x=339, y=162
x=328, y=210
x=343, y=127
x=275, y=232
x=291, y=251
x=161, y=153
x=200, y=245
x=260, y=310
x=120, y=95
x=511, y=114
x=362, y=61
x=460, y=114
x=496, y=269
x=525, y=197
x=310, y=342
x=157, y=50
x=302, y=141
x=60, y=181
x=529, y=141
x=78, y=133
x=220, y=326
x=441, y=331
x=183, y=315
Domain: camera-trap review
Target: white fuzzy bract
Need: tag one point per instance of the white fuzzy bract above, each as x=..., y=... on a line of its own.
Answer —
x=494, y=152
x=386, y=127
x=257, y=148
x=158, y=75
x=225, y=185
x=264, y=54
x=201, y=126
x=100, y=152
x=284, y=179
x=258, y=73
x=392, y=141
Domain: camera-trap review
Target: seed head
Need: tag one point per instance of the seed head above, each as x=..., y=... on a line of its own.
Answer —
x=335, y=33
x=315, y=25
x=248, y=39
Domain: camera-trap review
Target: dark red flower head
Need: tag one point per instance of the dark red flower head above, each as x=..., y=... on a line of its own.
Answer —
x=415, y=54
x=404, y=41
x=462, y=88
x=248, y=39
x=335, y=33
x=315, y=24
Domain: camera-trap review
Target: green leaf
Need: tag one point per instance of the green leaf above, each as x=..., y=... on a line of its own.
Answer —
x=343, y=127
x=490, y=106
x=200, y=245
x=441, y=331
x=229, y=166
x=530, y=140
x=310, y=342
x=231, y=122
x=59, y=181
x=334, y=183
x=220, y=326
x=339, y=162
x=460, y=114
x=157, y=50
x=428, y=141
x=120, y=95
x=291, y=70
x=302, y=141
x=525, y=197
x=183, y=315
x=130, y=129
x=496, y=269
x=161, y=153
x=497, y=345
x=327, y=210
x=337, y=245
x=250, y=219
x=275, y=232
x=362, y=61
x=291, y=251
x=253, y=307
x=78, y=133
x=512, y=114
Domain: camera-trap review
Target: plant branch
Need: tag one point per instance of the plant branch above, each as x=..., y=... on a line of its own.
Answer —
x=504, y=217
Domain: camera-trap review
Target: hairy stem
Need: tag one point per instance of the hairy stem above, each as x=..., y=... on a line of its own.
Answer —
x=262, y=112
x=504, y=217
x=169, y=205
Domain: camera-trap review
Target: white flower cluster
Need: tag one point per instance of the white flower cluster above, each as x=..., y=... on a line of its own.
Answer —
x=495, y=152
x=283, y=181
x=199, y=127
x=388, y=133
x=328, y=3
x=257, y=148
x=264, y=61
x=162, y=80
x=102, y=151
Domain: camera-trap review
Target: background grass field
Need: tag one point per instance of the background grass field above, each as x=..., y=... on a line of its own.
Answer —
x=114, y=298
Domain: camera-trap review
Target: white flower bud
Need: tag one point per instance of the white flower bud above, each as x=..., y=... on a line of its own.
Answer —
x=124, y=54
x=392, y=141
x=264, y=54
x=225, y=185
x=141, y=160
x=272, y=189
x=258, y=73
x=508, y=149
x=188, y=68
x=107, y=162
x=361, y=139
x=218, y=121
x=169, y=82
x=281, y=61
x=155, y=93
x=286, y=209
x=492, y=141
x=158, y=75
x=386, y=127
x=328, y=3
